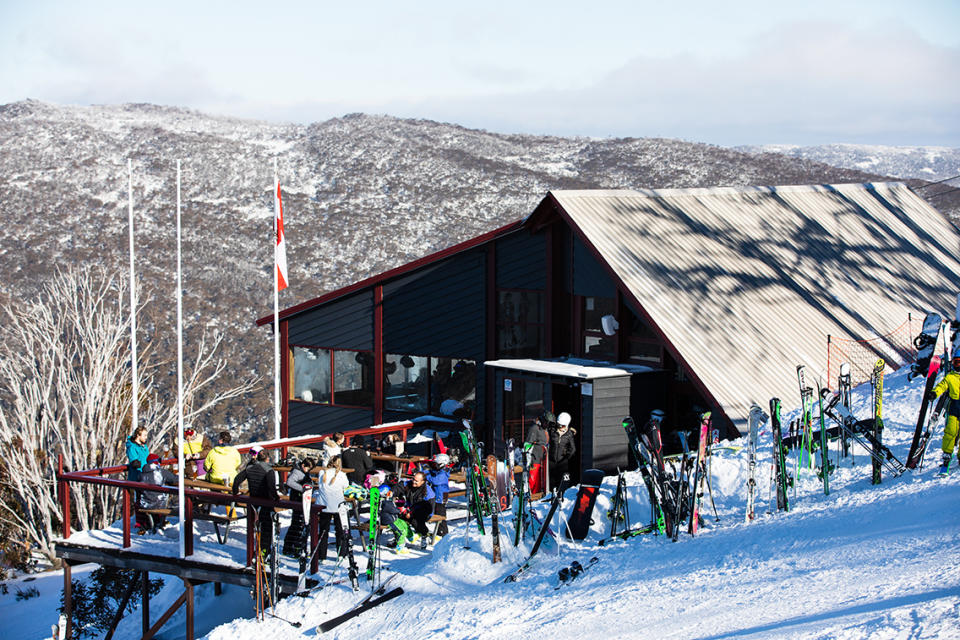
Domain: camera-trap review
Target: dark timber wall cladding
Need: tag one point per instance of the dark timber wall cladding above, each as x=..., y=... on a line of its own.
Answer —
x=522, y=261
x=341, y=324
x=611, y=402
x=589, y=277
x=438, y=310
x=308, y=418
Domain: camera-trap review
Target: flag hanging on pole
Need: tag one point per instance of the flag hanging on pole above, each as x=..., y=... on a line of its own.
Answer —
x=281, y=249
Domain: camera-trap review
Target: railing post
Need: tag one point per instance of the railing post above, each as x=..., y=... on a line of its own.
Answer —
x=188, y=527
x=251, y=540
x=64, y=497
x=126, y=518
x=315, y=538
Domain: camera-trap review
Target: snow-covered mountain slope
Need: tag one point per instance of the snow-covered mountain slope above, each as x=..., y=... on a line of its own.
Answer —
x=362, y=194
x=866, y=561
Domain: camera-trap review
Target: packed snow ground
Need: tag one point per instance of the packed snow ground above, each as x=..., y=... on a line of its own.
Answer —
x=864, y=562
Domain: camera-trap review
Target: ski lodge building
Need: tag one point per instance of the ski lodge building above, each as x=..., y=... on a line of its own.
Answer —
x=613, y=303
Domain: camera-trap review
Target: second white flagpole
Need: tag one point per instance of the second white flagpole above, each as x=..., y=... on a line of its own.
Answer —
x=180, y=467
x=276, y=304
x=134, y=385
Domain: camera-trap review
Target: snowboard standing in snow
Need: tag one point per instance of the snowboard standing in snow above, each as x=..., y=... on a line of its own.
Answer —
x=781, y=474
x=920, y=438
x=926, y=344
x=578, y=526
x=756, y=418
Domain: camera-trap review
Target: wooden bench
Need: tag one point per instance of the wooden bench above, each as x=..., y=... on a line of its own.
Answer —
x=153, y=515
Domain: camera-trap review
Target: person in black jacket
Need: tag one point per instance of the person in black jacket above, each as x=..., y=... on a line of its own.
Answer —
x=263, y=482
x=357, y=458
x=418, y=500
x=562, y=448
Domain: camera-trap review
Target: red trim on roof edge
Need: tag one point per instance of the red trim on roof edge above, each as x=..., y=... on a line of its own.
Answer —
x=393, y=273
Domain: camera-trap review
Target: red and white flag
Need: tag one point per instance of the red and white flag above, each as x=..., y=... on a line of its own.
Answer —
x=281, y=249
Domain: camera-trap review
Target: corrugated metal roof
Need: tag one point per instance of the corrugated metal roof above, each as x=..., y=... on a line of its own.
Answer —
x=746, y=283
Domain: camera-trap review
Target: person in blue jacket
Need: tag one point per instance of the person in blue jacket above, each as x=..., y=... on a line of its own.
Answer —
x=137, y=453
x=438, y=478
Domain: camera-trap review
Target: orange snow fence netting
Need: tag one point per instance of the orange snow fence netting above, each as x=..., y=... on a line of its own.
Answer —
x=896, y=348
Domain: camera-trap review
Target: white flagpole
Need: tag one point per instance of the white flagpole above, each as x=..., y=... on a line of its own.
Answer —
x=276, y=305
x=180, y=467
x=134, y=420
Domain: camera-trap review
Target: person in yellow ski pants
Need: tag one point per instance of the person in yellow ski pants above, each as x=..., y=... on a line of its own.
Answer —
x=950, y=384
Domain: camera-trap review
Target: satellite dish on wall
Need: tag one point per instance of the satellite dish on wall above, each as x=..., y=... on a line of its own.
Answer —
x=609, y=324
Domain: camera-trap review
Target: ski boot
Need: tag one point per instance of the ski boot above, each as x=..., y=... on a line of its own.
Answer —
x=945, y=464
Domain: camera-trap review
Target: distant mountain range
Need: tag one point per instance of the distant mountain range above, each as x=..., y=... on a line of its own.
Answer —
x=923, y=163
x=362, y=194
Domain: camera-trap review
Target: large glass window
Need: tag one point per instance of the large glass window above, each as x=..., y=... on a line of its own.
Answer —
x=644, y=346
x=407, y=383
x=332, y=376
x=353, y=378
x=423, y=384
x=596, y=344
x=311, y=374
x=519, y=324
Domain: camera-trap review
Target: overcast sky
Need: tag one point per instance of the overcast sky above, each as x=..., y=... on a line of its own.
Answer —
x=725, y=72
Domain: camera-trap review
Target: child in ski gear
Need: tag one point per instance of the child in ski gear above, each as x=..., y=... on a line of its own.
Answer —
x=390, y=517
x=298, y=482
x=223, y=461
x=153, y=473
x=263, y=482
x=562, y=448
x=331, y=485
x=537, y=441
x=438, y=478
x=950, y=384
x=137, y=453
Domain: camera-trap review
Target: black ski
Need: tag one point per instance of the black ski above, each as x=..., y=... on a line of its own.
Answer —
x=357, y=610
x=919, y=443
x=782, y=475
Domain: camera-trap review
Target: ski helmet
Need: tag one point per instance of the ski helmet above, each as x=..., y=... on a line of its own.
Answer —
x=564, y=419
x=442, y=459
x=657, y=414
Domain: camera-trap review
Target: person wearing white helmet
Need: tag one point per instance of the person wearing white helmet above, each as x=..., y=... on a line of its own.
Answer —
x=562, y=448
